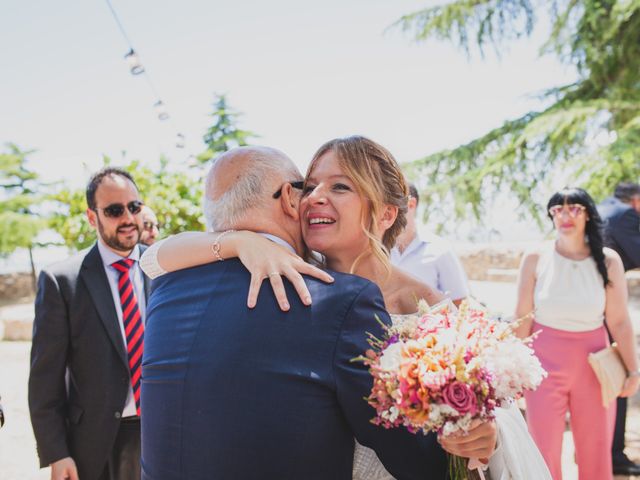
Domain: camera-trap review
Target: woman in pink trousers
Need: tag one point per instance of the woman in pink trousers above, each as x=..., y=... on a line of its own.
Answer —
x=574, y=287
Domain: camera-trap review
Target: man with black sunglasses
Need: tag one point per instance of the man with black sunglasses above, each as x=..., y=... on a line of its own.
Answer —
x=88, y=338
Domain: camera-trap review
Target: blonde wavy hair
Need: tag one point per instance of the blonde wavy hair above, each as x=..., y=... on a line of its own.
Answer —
x=379, y=181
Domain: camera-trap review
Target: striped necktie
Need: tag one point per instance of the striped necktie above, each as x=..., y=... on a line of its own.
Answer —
x=133, y=326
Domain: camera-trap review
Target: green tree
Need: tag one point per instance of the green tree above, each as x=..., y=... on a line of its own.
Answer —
x=224, y=133
x=22, y=193
x=601, y=38
x=174, y=196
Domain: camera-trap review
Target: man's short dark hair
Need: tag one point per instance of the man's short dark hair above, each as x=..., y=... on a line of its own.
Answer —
x=97, y=178
x=413, y=192
x=625, y=191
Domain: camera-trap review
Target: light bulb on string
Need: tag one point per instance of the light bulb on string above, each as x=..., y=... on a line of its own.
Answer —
x=133, y=60
x=161, y=110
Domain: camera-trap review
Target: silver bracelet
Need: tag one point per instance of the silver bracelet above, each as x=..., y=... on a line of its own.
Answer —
x=215, y=247
x=635, y=373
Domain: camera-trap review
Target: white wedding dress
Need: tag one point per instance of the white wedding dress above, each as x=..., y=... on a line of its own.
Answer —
x=516, y=458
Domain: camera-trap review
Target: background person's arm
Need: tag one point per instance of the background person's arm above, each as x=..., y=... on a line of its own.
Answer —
x=618, y=321
x=452, y=278
x=526, y=287
x=47, y=388
x=64, y=469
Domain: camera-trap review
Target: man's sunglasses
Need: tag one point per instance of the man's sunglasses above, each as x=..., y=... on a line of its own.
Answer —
x=150, y=225
x=299, y=185
x=116, y=210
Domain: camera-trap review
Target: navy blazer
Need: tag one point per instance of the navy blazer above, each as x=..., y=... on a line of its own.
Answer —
x=622, y=230
x=235, y=393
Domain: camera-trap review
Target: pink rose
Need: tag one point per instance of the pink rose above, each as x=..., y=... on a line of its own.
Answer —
x=461, y=397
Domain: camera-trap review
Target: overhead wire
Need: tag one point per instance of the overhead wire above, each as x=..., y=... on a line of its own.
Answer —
x=138, y=69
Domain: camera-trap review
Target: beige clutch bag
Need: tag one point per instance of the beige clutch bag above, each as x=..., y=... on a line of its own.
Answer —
x=610, y=371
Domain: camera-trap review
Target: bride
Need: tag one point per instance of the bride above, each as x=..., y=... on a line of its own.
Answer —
x=353, y=207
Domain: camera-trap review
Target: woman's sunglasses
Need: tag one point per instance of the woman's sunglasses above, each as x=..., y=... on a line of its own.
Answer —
x=574, y=209
x=116, y=210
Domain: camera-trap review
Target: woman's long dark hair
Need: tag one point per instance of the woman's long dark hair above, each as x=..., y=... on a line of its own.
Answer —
x=593, y=227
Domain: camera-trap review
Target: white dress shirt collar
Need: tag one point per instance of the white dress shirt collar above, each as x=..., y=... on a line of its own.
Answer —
x=279, y=241
x=109, y=256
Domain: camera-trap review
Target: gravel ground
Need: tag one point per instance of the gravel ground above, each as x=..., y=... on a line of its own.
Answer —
x=18, y=459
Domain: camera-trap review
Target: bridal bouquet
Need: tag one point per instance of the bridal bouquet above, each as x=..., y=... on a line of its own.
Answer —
x=443, y=368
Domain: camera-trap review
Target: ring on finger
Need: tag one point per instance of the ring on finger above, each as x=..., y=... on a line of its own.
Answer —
x=274, y=274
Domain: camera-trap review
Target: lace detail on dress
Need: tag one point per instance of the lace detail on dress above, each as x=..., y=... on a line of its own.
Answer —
x=367, y=466
x=149, y=262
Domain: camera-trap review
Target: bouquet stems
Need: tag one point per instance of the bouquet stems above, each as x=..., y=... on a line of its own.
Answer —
x=458, y=469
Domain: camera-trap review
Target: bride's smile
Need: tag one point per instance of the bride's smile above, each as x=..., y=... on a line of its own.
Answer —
x=332, y=211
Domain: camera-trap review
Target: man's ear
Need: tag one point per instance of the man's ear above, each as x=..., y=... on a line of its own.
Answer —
x=290, y=202
x=412, y=203
x=92, y=217
x=388, y=217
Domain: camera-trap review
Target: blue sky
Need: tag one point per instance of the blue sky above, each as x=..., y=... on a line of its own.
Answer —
x=301, y=73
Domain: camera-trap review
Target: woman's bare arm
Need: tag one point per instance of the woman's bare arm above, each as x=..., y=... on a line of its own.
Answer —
x=262, y=257
x=618, y=321
x=526, y=287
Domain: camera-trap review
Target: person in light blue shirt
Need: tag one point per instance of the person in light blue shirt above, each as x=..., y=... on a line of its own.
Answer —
x=431, y=261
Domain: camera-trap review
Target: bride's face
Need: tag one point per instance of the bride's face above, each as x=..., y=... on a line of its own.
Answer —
x=331, y=211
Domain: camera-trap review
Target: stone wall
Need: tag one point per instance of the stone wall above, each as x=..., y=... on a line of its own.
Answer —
x=15, y=287
x=500, y=264
x=485, y=263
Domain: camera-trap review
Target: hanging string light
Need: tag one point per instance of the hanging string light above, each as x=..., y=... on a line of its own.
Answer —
x=161, y=110
x=133, y=60
x=136, y=68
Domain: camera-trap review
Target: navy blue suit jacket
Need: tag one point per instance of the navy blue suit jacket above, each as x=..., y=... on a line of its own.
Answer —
x=234, y=393
x=622, y=230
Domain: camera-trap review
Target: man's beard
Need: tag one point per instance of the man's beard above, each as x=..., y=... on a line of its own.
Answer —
x=112, y=240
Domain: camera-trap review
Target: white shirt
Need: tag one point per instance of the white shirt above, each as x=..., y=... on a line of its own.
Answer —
x=136, y=275
x=435, y=264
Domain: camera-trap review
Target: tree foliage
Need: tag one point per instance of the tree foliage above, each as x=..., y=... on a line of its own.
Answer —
x=174, y=194
x=175, y=197
x=224, y=132
x=21, y=194
x=601, y=38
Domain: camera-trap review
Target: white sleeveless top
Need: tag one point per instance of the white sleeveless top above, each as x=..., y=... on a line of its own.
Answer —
x=569, y=294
